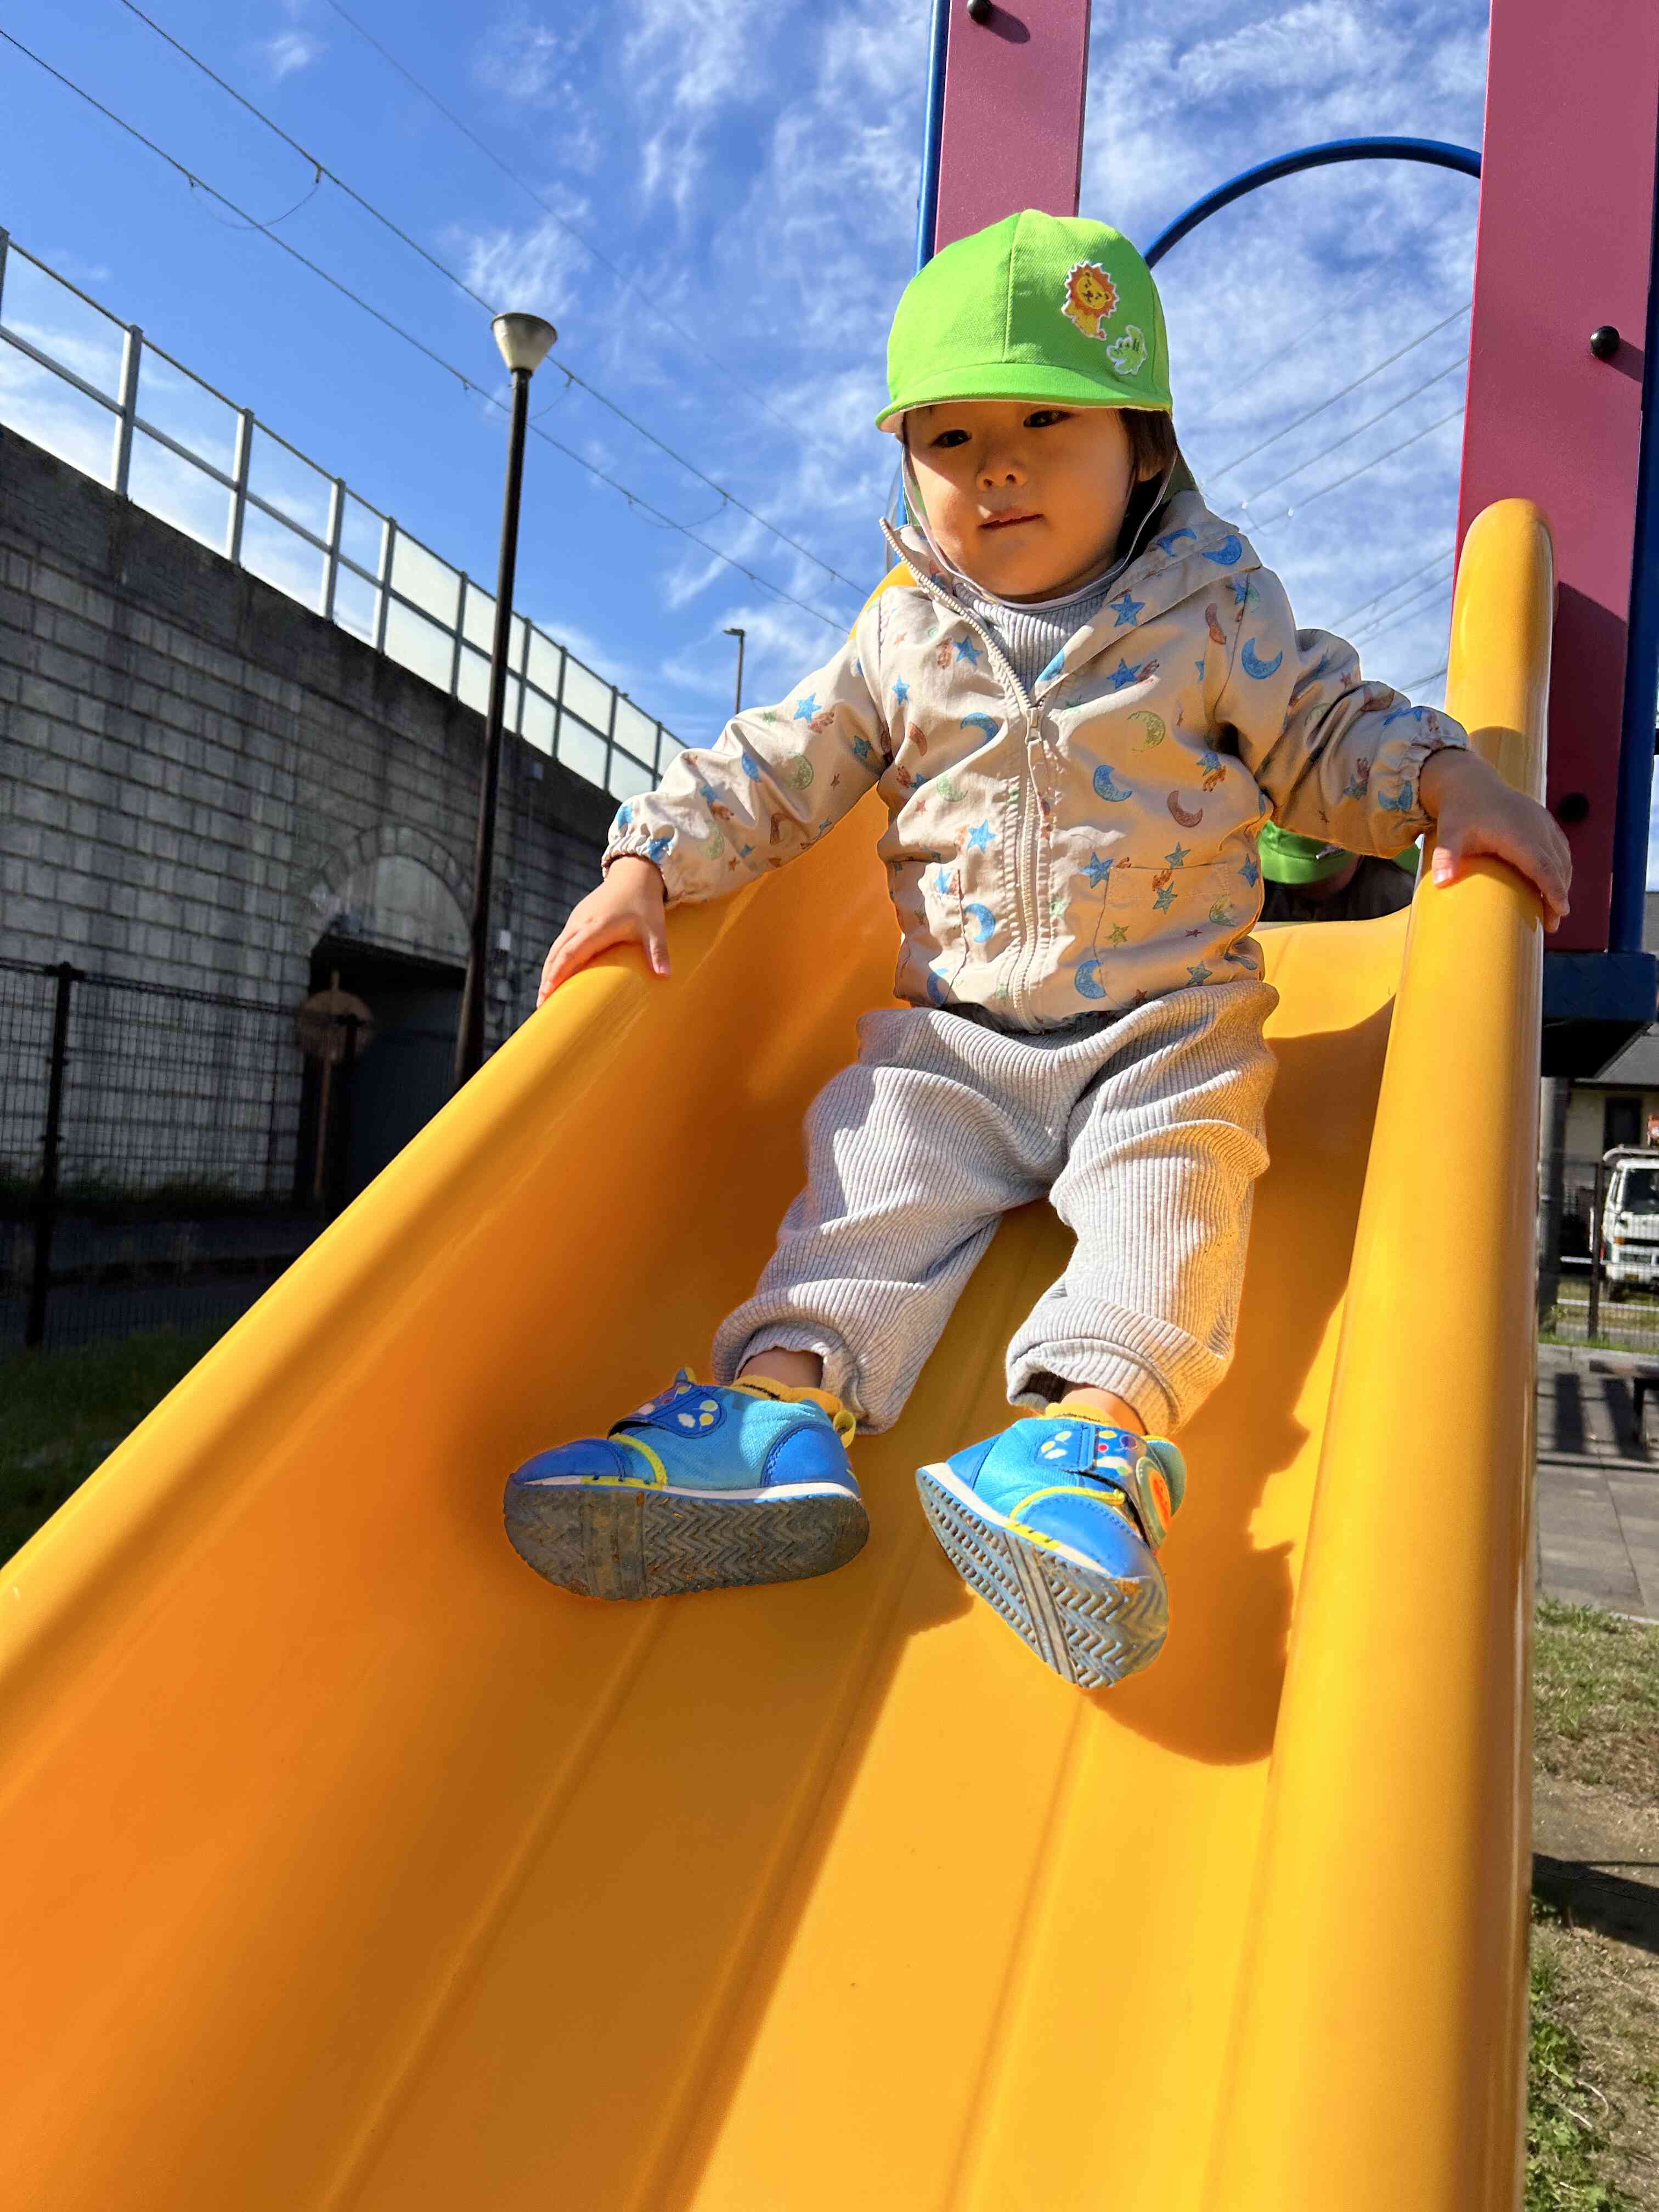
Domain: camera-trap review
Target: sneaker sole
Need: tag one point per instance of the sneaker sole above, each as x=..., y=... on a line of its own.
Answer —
x=622, y=1540
x=1091, y=1628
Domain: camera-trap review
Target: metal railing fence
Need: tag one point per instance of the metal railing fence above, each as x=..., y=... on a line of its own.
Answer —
x=163, y=1155
x=1589, y=1293
x=96, y=393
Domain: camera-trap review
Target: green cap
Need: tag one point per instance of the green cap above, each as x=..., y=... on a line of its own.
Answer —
x=1290, y=859
x=1037, y=306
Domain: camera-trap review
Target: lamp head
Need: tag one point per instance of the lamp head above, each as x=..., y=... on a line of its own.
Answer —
x=524, y=340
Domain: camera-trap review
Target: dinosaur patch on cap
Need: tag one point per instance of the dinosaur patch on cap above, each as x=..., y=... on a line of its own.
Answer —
x=1128, y=354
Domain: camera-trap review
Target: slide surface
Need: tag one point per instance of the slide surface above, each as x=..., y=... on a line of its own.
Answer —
x=349, y=1868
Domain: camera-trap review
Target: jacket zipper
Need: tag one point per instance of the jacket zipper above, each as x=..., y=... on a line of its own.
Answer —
x=1025, y=889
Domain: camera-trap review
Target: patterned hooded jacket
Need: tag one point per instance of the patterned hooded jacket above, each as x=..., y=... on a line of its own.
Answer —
x=1088, y=846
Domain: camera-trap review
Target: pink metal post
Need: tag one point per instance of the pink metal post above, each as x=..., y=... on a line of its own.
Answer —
x=1013, y=135
x=1564, y=248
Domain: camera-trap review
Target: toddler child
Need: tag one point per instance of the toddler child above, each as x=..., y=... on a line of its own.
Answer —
x=1080, y=706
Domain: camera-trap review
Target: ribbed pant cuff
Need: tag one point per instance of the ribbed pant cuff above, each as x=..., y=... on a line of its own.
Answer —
x=841, y=1373
x=1095, y=1366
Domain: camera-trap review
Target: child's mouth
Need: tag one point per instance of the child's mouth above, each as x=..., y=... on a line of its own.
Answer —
x=1007, y=521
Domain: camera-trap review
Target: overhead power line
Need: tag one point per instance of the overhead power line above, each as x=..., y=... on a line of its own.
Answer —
x=1387, y=590
x=1365, y=469
x=467, y=383
x=1348, y=436
x=1276, y=354
x=1418, y=682
x=1380, y=625
x=564, y=222
x=1410, y=346
x=569, y=374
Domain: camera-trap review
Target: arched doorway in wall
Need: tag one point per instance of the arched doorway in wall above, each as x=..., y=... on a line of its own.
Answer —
x=393, y=931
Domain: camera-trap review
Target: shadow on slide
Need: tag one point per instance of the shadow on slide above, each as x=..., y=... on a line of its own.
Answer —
x=349, y=1867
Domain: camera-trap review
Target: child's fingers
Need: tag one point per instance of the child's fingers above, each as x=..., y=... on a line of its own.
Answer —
x=571, y=950
x=1546, y=864
x=1446, y=858
x=581, y=943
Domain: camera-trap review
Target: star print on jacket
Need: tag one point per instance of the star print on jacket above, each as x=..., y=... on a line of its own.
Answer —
x=1026, y=799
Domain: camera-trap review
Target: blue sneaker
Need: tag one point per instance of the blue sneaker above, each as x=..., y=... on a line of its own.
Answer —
x=1054, y=1523
x=708, y=1485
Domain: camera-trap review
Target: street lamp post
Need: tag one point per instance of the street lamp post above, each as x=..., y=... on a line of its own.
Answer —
x=523, y=340
x=739, y=634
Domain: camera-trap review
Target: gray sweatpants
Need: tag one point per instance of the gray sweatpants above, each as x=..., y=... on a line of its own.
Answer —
x=1145, y=1131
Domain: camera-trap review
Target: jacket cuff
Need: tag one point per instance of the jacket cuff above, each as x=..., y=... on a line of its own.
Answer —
x=640, y=844
x=1415, y=821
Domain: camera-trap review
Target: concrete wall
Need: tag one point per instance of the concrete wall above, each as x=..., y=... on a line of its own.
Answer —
x=201, y=782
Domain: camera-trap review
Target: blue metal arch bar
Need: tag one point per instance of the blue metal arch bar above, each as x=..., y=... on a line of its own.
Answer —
x=1435, y=151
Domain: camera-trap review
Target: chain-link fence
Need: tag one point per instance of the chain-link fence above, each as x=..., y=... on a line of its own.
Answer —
x=1598, y=1276
x=164, y=1153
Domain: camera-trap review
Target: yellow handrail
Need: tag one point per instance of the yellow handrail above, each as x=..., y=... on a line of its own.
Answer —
x=1397, y=1839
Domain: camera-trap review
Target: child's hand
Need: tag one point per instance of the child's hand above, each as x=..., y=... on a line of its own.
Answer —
x=627, y=908
x=1476, y=811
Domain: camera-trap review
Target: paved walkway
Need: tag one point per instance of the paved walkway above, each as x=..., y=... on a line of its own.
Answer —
x=1598, y=1483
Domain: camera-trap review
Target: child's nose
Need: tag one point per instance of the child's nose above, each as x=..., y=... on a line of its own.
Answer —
x=1001, y=468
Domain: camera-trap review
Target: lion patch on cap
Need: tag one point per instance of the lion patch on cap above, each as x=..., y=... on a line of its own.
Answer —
x=1091, y=298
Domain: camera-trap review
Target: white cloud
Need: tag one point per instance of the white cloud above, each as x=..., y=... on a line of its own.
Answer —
x=759, y=173
x=292, y=50
x=1304, y=48
x=532, y=269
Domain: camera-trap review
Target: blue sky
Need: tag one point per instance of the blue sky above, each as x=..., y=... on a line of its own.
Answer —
x=747, y=170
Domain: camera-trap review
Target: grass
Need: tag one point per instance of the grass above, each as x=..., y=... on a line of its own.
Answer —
x=1567, y=2143
x=1592, y=2135
x=105, y=1197
x=1595, y=1699
x=61, y=1412
x=1648, y=1343
x=1593, y=2053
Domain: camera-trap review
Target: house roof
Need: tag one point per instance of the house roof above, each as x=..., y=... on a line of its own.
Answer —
x=1636, y=1068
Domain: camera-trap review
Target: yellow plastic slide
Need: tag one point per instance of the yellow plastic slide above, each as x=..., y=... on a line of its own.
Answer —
x=347, y=1867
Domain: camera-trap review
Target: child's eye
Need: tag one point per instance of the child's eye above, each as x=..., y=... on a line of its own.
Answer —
x=952, y=438
x=1041, y=418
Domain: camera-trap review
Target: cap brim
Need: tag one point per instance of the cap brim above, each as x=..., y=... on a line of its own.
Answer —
x=1295, y=869
x=1011, y=379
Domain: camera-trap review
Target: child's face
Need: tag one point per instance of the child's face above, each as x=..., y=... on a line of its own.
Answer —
x=1025, y=497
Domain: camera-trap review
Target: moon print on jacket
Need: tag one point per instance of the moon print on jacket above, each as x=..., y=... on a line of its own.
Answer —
x=1106, y=789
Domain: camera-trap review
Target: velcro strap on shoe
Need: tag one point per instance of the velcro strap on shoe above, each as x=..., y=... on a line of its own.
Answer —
x=1145, y=1485
x=686, y=1408
x=1118, y=1457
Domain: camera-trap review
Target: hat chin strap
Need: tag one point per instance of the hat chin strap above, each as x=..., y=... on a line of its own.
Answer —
x=1170, y=482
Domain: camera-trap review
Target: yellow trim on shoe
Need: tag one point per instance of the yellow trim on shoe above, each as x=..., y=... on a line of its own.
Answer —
x=1072, y=1409
x=1113, y=1497
x=797, y=1394
x=659, y=1471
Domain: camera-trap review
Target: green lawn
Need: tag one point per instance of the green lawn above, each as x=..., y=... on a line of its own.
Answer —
x=1593, y=2069
x=1595, y=1697
x=61, y=1412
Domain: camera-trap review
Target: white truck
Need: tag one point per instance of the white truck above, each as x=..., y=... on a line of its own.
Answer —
x=1630, y=1220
